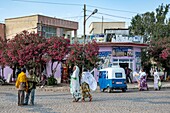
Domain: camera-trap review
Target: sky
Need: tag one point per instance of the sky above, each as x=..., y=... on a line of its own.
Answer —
x=111, y=10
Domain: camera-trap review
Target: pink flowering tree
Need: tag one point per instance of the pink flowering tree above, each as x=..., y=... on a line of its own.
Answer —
x=160, y=51
x=91, y=51
x=26, y=49
x=57, y=50
x=3, y=44
x=76, y=55
x=84, y=55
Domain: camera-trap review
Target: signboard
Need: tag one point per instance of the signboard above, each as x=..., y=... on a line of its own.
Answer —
x=117, y=31
x=122, y=51
x=105, y=53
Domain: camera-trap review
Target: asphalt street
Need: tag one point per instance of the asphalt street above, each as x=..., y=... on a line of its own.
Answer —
x=132, y=101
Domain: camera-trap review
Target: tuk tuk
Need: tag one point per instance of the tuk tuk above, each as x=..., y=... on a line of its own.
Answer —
x=112, y=78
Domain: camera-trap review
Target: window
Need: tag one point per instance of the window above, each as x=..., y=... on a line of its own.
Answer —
x=102, y=74
x=49, y=31
x=118, y=75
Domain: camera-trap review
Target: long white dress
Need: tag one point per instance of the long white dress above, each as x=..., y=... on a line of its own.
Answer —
x=75, y=85
x=156, y=78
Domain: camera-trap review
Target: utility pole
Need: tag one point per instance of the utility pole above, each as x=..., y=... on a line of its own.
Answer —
x=84, y=36
x=102, y=26
x=41, y=26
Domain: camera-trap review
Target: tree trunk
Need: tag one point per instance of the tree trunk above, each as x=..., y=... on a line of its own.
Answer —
x=52, y=62
x=55, y=69
x=2, y=72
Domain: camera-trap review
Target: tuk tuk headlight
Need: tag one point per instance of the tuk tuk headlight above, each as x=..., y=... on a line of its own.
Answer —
x=113, y=82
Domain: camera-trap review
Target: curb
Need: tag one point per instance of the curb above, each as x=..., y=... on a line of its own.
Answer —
x=67, y=89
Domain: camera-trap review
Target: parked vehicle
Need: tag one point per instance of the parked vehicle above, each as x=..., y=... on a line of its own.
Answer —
x=112, y=78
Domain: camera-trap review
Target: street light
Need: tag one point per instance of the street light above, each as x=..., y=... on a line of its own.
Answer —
x=85, y=19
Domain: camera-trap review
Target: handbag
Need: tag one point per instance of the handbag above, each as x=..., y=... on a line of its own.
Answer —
x=22, y=86
x=159, y=83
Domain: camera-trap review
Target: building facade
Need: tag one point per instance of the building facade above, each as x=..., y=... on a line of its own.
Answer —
x=43, y=25
x=116, y=46
x=99, y=27
x=2, y=31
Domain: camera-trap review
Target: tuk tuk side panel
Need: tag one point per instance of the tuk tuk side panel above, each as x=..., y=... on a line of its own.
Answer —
x=102, y=79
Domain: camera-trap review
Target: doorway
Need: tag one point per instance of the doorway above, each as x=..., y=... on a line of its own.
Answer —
x=123, y=65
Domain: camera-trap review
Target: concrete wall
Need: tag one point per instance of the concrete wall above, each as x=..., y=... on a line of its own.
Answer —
x=17, y=25
x=2, y=30
x=58, y=22
x=96, y=27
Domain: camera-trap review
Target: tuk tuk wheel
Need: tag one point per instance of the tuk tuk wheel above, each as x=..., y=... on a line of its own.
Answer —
x=102, y=90
x=109, y=89
x=124, y=90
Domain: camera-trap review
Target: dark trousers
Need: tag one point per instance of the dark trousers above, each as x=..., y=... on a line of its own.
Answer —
x=127, y=80
x=21, y=95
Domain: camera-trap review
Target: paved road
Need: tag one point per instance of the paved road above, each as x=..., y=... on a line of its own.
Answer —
x=132, y=101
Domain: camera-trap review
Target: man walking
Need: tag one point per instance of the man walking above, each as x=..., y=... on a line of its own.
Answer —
x=127, y=72
x=32, y=81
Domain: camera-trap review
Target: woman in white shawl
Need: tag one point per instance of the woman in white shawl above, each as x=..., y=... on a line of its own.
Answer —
x=75, y=85
x=87, y=82
x=156, y=80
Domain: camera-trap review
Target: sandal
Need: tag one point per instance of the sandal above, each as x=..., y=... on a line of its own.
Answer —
x=83, y=100
x=78, y=99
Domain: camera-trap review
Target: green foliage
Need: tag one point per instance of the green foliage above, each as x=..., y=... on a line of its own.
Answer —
x=151, y=24
x=154, y=27
x=51, y=81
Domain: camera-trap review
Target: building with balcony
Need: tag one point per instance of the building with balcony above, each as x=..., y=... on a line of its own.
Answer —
x=117, y=47
x=43, y=25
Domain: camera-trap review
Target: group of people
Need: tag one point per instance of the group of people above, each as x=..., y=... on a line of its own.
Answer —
x=26, y=84
x=86, y=84
x=141, y=79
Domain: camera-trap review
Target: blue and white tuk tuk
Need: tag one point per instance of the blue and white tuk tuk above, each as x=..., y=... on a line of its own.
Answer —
x=112, y=78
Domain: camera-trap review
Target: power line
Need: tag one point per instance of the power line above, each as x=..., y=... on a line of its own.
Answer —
x=110, y=15
x=112, y=9
x=47, y=2
x=101, y=18
x=73, y=17
x=75, y=5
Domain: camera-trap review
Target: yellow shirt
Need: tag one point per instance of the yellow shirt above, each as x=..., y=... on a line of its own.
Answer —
x=21, y=78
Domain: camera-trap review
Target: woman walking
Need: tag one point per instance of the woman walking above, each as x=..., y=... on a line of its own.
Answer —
x=75, y=85
x=88, y=83
x=156, y=80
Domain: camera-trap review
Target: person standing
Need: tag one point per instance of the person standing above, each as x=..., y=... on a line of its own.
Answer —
x=22, y=86
x=32, y=81
x=127, y=72
x=75, y=85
